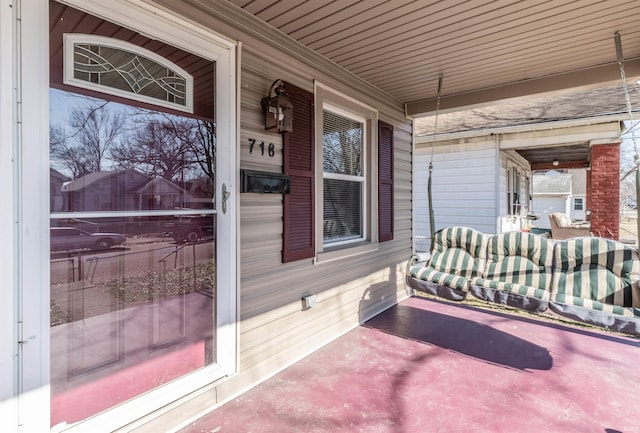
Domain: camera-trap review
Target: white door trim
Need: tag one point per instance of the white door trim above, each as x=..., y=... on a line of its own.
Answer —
x=33, y=236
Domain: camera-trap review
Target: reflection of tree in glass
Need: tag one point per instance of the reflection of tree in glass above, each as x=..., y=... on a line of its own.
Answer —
x=155, y=150
x=199, y=137
x=98, y=132
x=341, y=143
x=83, y=148
x=176, y=148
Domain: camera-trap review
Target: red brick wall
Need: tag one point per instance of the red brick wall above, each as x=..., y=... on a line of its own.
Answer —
x=604, y=190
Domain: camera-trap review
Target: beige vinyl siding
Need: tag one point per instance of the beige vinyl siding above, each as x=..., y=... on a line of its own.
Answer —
x=274, y=331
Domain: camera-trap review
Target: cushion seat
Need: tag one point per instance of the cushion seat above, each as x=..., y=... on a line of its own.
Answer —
x=595, y=281
x=518, y=271
x=457, y=256
x=427, y=273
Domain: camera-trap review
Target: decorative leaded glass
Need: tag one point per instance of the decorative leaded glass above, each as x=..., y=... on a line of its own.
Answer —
x=117, y=67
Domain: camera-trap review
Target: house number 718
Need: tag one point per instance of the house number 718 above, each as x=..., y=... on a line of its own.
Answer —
x=271, y=148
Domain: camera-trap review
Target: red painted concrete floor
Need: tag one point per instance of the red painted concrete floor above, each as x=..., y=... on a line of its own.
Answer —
x=430, y=366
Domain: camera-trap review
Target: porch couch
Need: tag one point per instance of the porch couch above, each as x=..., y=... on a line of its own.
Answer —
x=563, y=228
x=593, y=280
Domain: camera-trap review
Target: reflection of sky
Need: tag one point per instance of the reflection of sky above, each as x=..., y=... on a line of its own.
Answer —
x=62, y=102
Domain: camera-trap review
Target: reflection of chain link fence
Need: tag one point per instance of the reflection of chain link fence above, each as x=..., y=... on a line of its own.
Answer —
x=422, y=244
x=69, y=270
x=64, y=271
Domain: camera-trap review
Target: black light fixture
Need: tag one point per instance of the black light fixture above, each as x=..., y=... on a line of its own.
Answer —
x=556, y=163
x=278, y=110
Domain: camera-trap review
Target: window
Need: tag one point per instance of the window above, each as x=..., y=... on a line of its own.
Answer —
x=119, y=68
x=511, y=195
x=527, y=192
x=343, y=178
x=516, y=205
x=578, y=203
x=346, y=189
x=339, y=159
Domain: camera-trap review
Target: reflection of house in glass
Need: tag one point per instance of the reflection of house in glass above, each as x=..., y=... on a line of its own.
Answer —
x=56, y=180
x=129, y=190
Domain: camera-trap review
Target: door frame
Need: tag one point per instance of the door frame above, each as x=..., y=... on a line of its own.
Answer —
x=32, y=371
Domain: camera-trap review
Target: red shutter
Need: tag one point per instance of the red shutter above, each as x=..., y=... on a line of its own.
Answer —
x=298, y=231
x=385, y=182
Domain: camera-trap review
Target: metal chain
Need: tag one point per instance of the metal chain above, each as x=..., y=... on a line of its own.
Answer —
x=435, y=121
x=625, y=88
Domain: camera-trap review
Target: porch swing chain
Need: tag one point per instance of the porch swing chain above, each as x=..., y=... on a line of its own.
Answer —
x=435, y=121
x=432, y=224
x=625, y=88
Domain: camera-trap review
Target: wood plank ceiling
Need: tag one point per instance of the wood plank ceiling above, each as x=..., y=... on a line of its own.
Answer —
x=487, y=50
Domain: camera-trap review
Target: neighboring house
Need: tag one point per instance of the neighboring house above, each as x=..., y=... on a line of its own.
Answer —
x=472, y=185
x=56, y=198
x=483, y=160
x=578, y=207
x=552, y=192
x=125, y=190
x=150, y=335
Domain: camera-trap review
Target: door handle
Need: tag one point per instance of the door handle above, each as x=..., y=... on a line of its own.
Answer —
x=225, y=196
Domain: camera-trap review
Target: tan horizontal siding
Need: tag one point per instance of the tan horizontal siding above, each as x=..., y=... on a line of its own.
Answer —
x=285, y=328
x=274, y=331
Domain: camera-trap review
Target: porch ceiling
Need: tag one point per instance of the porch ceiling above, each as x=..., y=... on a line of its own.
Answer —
x=574, y=156
x=487, y=50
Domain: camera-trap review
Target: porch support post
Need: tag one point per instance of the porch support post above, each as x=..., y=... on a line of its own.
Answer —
x=605, y=190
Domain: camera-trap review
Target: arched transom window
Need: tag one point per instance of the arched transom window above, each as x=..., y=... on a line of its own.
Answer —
x=119, y=68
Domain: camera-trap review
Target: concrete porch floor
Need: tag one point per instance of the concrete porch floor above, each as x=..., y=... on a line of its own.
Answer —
x=430, y=366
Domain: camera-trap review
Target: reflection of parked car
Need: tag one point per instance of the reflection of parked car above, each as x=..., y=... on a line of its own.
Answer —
x=69, y=238
x=191, y=229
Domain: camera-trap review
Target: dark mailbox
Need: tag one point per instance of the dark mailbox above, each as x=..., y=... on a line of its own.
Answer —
x=264, y=182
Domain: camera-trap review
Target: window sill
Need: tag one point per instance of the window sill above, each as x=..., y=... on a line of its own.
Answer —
x=344, y=251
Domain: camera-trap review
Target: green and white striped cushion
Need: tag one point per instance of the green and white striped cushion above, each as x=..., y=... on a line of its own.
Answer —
x=599, y=306
x=519, y=262
x=518, y=289
x=450, y=280
x=460, y=251
x=593, y=271
x=458, y=254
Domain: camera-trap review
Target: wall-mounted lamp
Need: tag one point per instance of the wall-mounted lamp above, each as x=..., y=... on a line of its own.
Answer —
x=278, y=110
x=555, y=163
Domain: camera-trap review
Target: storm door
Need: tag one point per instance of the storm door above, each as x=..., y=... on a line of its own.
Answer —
x=137, y=205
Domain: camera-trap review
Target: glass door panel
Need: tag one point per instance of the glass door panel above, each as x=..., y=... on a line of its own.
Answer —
x=133, y=251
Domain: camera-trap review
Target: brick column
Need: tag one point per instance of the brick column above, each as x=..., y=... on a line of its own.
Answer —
x=604, y=190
